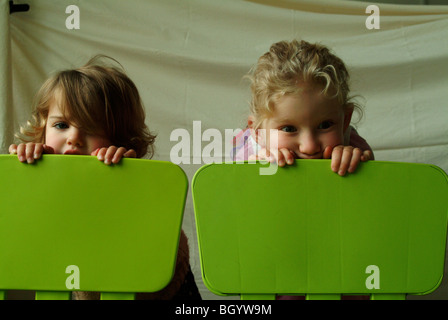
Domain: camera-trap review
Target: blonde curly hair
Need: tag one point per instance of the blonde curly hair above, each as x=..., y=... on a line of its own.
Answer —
x=96, y=98
x=286, y=66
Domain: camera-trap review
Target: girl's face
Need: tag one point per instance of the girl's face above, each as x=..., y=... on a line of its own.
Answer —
x=305, y=124
x=65, y=138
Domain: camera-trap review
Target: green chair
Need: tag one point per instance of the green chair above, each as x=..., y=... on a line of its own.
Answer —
x=305, y=230
x=72, y=223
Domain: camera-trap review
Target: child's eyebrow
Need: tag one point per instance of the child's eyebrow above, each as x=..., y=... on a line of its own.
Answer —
x=284, y=120
x=56, y=118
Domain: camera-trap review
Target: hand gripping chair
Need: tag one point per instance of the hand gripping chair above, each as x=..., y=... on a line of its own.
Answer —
x=305, y=230
x=72, y=223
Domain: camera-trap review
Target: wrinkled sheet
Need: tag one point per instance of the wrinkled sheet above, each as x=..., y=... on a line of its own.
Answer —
x=188, y=59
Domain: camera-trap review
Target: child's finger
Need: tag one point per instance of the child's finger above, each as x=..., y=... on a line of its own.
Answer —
x=38, y=150
x=282, y=156
x=287, y=156
x=366, y=155
x=271, y=155
x=12, y=149
x=21, y=154
x=345, y=160
x=356, y=157
x=336, y=157
x=29, y=152
x=118, y=155
x=101, y=153
x=109, y=154
x=327, y=152
x=265, y=154
x=130, y=154
x=95, y=152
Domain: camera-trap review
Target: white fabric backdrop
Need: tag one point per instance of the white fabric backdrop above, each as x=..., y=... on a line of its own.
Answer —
x=188, y=58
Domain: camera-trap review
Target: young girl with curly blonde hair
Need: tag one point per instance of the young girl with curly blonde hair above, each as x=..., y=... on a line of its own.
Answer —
x=300, y=96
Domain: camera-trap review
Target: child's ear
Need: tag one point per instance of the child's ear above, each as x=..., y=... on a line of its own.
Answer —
x=251, y=125
x=348, y=112
x=250, y=121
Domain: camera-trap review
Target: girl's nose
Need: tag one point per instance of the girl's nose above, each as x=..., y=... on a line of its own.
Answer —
x=75, y=138
x=309, y=145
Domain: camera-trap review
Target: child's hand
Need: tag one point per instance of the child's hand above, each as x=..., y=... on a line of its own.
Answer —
x=113, y=154
x=282, y=156
x=30, y=151
x=346, y=158
x=343, y=158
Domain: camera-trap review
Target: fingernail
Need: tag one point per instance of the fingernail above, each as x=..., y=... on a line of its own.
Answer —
x=341, y=172
x=21, y=158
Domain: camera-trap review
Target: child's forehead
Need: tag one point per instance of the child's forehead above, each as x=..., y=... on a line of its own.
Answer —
x=311, y=87
x=60, y=110
x=76, y=114
x=57, y=105
x=66, y=103
x=305, y=106
x=311, y=97
x=55, y=110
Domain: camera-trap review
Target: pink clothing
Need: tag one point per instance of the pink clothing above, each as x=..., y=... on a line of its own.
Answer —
x=244, y=145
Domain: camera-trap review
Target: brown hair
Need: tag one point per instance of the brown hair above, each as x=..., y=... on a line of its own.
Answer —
x=96, y=98
x=286, y=65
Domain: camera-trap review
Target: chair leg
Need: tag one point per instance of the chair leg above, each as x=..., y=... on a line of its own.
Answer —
x=257, y=297
x=323, y=297
x=388, y=296
x=53, y=295
x=117, y=296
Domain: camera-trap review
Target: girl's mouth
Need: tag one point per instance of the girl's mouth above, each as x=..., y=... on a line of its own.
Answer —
x=72, y=152
x=300, y=156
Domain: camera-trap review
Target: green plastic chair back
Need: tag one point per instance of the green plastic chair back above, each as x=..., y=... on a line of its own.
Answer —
x=305, y=230
x=72, y=221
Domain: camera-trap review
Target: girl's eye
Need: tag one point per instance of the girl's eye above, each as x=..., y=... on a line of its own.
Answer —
x=325, y=125
x=288, y=129
x=60, y=125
